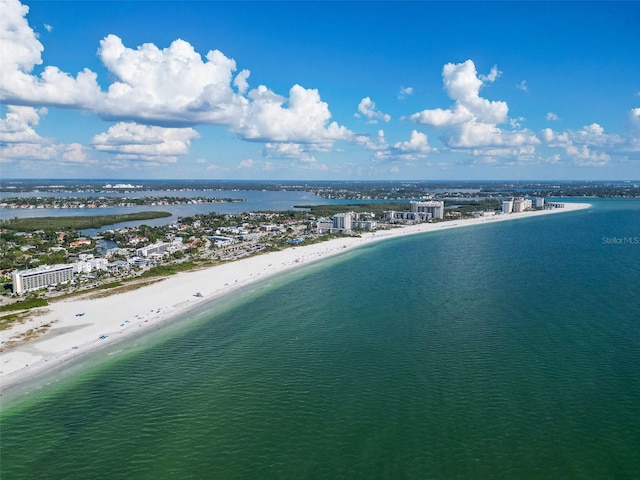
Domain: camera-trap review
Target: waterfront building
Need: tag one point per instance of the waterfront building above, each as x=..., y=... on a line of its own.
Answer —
x=364, y=224
x=81, y=267
x=342, y=222
x=139, y=262
x=324, y=225
x=80, y=242
x=160, y=248
x=407, y=217
x=41, y=277
x=518, y=205
x=434, y=207
x=521, y=204
x=220, y=240
x=484, y=213
x=110, y=252
x=392, y=216
x=539, y=202
x=118, y=265
x=389, y=216
x=87, y=266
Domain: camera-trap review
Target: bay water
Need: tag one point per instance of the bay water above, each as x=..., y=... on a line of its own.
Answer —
x=507, y=350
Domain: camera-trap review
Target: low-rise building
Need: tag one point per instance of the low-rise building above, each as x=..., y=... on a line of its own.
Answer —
x=160, y=248
x=41, y=277
x=220, y=240
x=364, y=225
x=324, y=225
x=392, y=216
x=80, y=242
x=88, y=266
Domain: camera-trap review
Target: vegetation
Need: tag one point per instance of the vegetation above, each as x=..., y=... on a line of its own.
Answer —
x=374, y=207
x=170, y=269
x=7, y=321
x=25, y=305
x=107, y=286
x=467, y=207
x=75, y=223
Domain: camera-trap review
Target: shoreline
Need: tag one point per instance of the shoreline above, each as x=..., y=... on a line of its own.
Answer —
x=114, y=318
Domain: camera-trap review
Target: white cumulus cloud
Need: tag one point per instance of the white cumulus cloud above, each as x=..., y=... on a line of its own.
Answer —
x=142, y=142
x=258, y=165
x=21, y=52
x=415, y=148
x=492, y=76
x=288, y=150
x=18, y=125
x=417, y=143
x=165, y=87
x=20, y=141
x=405, y=92
x=367, y=108
x=552, y=117
x=587, y=146
x=172, y=85
x=302, y=118
x=472, y=121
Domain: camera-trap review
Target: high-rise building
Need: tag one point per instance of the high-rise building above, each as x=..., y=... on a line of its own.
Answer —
x=507, y=206
x=518, y=205
x=434, y=207
x=342, y=222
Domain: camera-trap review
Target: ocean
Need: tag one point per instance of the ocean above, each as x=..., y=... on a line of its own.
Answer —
x=508, y=350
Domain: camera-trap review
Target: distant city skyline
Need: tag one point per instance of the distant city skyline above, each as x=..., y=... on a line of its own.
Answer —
x=320, y=90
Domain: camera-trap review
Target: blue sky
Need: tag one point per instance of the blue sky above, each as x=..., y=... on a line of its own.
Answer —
x=320, y=90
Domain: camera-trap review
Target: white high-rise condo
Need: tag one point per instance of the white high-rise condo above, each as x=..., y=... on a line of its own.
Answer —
x=434, y=207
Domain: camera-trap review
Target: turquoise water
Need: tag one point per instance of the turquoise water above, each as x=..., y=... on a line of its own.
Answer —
x=498, y=351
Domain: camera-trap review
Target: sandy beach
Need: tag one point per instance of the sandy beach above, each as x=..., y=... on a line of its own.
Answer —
x=104, y=321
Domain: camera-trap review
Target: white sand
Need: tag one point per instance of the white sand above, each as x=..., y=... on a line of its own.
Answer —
x=121, y=315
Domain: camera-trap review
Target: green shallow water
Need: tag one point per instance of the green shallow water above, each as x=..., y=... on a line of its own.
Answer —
x=497, y=351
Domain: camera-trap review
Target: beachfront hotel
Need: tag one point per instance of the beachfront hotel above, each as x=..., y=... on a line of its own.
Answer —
x=342, y=222
x=517, y=205
x=41, y=277
x=418, y=212
x=392, y=216
x=507, y=206
x=434, y=207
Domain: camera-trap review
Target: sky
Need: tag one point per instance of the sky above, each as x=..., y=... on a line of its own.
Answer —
x=334, y=90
